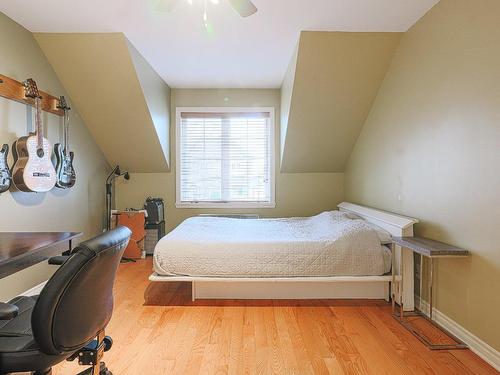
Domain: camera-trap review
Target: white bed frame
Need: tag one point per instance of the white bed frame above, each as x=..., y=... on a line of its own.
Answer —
x=337, y=287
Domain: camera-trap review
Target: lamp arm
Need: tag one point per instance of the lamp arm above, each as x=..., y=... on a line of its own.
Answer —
x=114, y=177
x=112, y=173
x=109, y=176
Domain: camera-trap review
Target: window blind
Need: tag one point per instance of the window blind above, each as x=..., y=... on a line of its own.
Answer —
x=225, y=157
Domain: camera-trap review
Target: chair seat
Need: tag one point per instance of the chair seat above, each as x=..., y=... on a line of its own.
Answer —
x=18, y=349
x=15, y=334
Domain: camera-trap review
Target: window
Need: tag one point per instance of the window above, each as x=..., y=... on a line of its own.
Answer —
x=225, y=157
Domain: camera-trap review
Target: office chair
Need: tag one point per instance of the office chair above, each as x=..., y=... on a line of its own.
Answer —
x=68, y=318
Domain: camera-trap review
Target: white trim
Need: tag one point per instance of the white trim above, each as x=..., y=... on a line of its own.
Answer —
x=389, y=218
x=272, y=145
x=478, y=346
x=304, y=279
x=35, y=290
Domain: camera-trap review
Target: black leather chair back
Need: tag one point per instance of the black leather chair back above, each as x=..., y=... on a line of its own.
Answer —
x=77, y=301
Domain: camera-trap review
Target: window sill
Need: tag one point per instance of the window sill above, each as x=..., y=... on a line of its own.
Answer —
x=241, y=205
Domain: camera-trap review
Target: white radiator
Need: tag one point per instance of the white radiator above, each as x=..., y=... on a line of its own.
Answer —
x=233, y=216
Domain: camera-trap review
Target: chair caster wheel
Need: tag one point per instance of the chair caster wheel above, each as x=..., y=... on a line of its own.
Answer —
x=108, y=343
x=104, y=370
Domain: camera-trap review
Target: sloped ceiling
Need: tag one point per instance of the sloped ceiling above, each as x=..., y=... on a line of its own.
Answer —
x=121, y=99
x=234, y=52
x=327, y=94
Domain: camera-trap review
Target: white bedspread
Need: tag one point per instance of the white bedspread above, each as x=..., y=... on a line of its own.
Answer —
x=328, y=244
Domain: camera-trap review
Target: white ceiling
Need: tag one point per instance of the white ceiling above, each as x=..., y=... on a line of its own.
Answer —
x=251, y=52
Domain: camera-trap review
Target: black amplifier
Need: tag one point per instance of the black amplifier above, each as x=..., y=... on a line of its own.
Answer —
x=155, y=209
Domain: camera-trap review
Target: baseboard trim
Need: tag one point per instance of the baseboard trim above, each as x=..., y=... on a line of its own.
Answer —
x=35, y=290
x=482, y=349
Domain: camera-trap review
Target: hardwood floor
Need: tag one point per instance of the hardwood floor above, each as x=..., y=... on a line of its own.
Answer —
x=158, y=330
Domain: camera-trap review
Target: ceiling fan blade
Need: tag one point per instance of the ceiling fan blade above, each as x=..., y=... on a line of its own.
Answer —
x=244, y=7
x=166, y=5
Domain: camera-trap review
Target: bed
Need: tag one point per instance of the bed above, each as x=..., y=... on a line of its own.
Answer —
x=328, y=244
x=335, y=254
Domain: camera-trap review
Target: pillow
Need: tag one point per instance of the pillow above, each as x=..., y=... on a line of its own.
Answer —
x=383, y=235
x=352, y=216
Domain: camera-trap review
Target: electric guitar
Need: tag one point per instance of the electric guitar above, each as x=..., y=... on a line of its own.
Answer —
x=33, y=170
x=5, y=176
x=65, y=173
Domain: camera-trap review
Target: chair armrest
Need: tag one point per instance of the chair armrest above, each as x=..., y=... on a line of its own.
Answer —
x=8, y=311
x=58, y=260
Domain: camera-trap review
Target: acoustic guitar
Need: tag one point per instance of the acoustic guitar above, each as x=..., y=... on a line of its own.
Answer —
x=33, y=170
x=5, y=176
x=65, y=173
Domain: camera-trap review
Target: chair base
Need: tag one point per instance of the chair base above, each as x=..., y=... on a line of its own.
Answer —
x=91, y=355
x=103, y=370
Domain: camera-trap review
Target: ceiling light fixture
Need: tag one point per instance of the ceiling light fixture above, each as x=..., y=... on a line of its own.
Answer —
x=244, y=8
x=205, y=16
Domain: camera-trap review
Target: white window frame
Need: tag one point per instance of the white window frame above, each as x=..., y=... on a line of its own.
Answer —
x=179, y=204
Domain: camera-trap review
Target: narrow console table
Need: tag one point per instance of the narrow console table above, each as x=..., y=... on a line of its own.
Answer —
x=20, y=250
x=430, y=249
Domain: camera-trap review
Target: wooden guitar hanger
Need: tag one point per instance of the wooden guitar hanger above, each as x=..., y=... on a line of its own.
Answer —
x=14, y=90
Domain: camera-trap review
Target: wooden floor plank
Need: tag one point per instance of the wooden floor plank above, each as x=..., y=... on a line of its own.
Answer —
x=393, y=344
x=157, y=329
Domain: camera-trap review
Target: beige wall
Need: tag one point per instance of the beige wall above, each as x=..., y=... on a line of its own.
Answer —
x=327, y=95
x=77, y=209
x=116, y=92
x=430, y=148
x=286, y=98
x=296, y=194
x=157, y=95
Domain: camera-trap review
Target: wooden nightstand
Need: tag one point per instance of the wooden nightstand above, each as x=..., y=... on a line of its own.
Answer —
x=430, y=249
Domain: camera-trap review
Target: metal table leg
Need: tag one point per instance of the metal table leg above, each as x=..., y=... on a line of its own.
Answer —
x=421, y=281
x=431, y=285
x=393, y=273
x=401, y=310
x=400, y=318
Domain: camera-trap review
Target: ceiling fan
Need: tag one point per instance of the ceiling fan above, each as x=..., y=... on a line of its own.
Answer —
x=245, y=8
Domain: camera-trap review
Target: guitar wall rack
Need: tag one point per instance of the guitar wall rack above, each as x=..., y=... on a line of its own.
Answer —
x=14, y=90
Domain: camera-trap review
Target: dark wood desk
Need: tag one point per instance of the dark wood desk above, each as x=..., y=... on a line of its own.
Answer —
x=19, y=250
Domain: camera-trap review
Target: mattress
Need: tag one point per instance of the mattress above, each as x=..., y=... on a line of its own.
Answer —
x=328, y=244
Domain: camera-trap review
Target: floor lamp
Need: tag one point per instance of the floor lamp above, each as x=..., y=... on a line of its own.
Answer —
x=115, y=173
